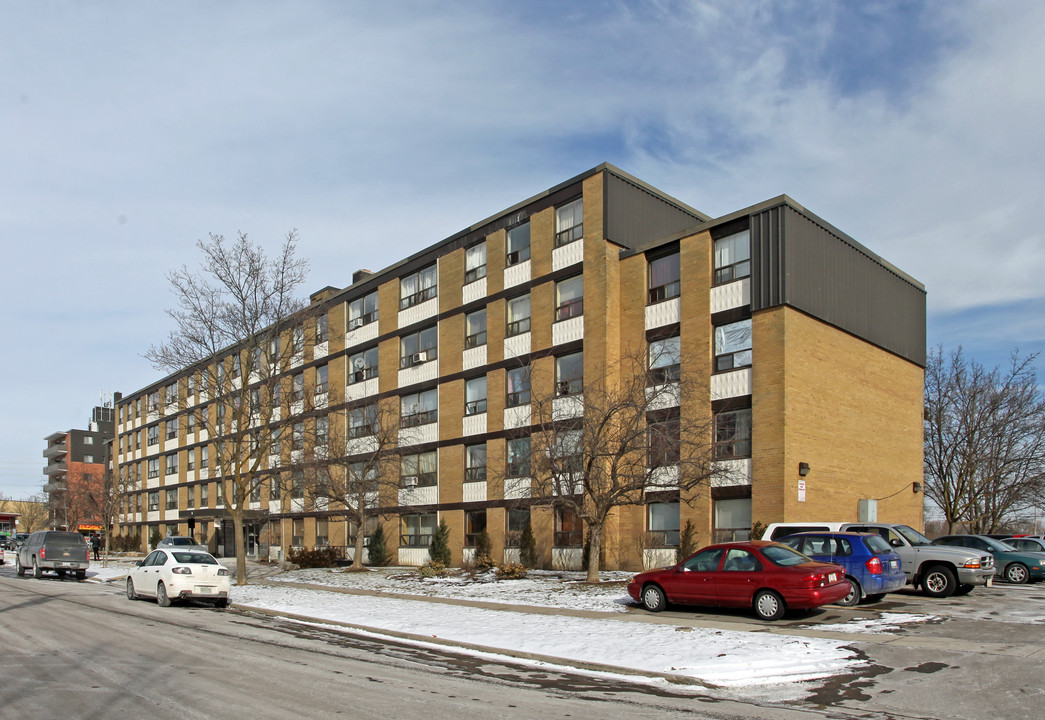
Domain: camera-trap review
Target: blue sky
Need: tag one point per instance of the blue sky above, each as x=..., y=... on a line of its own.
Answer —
x=128, y=130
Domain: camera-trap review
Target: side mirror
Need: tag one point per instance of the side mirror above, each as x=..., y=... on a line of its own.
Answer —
x=896, y=543
x=139, y=563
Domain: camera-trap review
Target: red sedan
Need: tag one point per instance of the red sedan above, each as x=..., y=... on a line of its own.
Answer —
x=766, y=576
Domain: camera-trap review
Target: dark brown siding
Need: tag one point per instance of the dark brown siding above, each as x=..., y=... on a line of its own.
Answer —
x=800, y=263
x=635, y=215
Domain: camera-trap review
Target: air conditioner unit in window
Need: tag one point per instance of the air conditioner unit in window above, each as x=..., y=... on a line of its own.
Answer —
x=366, y=541
x=562, y=387
x=410, y=481
x=418, y=358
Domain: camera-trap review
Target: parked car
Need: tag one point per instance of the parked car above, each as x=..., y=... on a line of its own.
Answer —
x=7, y=542
x=20, y=538
x=939, y=571
x=171, y=574
x=1016, y=566
x=1026, y=544
x=180, y=542
x=765, y=576
x=54, y=550
x=871, y=567
x=776, y=531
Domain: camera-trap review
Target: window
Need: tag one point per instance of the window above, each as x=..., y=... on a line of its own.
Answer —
x=153, y=468
x=204, y=454
x=665, y=361
x=154, y=401
x=568, y=529
x=664, y=278
x=569, y=223
x=192, y=385
x=362, y=421
x=172, y=429
x=518, y=454
x=733, y=345
x=569, y=298
x=568, y=453
x=297, y=437
x=733, y=257
x=518, y=316
x=322, y=532
x=662, y=519
x=88, y=458
x=277, y=393
x=732, y=520
x=297, y=340
x=190, y=422
x=297, y=532
x=274, y=488
x=663, y=432
x=417, y=287
x=322, y=329
x=172, y=464
x=297, y=484
x=362, y=311
x=154, y=500
x=518, y=387
x=190, y=498
x=171, y=499
x=170, y=393
x=475, y=263
x=475, y=462
x=255, y=360
x=255, y=492
x=363, y=366
x=88, y=440
x=152, y=434
x=417, y=530
x=205, y=495
x=475, y=329
x=518, y=244
x=321, y=380
x=515, y=525
x=419, y=408
x=297, y=393
x=362, y=474
x=419, y=347
x=237, y=368
x=474, y=526
x=569, y=374
x=418, y=470
x=190, y=460
x=733, y=434
x=475, y=396
x=322, y=432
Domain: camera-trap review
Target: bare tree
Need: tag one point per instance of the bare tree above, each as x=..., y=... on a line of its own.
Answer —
x=643, y=426
x=239, y=330
x=984, y=439
x=32, y=513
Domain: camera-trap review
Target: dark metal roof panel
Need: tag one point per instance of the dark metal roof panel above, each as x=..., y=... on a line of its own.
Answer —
x=634, y=214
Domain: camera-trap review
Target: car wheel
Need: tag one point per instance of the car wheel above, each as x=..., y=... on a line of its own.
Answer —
x=854, y=596
x=221, y=604
x=653, y=598
x=939, y=582
x=768, y=605
x=964, y=589
x=162, y=599
x=61, y=574
x=1017, y=573
x=19, y=569
x=37, y=570
x=876, y=597
x=81, y=574
x=131, y=595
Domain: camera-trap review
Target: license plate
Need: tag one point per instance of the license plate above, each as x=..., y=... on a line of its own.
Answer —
x=833, y=577
x=204, y=590
x=990, y=582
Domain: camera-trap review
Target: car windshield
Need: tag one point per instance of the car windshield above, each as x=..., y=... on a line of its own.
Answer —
x=913, y=536
x=783, y=556
x=64, y=540
x=877, y=544
x=195, y=558
x=180, y=541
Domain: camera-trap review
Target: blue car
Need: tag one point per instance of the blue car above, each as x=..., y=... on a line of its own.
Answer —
x=871, y=566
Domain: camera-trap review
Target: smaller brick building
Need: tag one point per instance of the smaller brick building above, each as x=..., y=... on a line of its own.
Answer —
x=76, y=461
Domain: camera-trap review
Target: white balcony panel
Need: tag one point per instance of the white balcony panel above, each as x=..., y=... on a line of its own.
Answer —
x=360, y=390
x=320, y=400
x=517, y=417
x=363, y=334
x=512, y=555
x=663, y=313
x=297, y=505
x=474, y=357
x=297, y=358
x=564, y=408
x=320, y=350
x=731, y=295
x=568, y=484
x=567, y=255
x=658, y=558
x=151, y=483
x=413, y=557
x=419, y=312
x=152, y=416
x=660, y=397
x=152, y=516
x=273, y=462
x=274, y=507
x=204, y=435
x=419, y=373
x=568, y=330
x=736, y=383
x=473, y=424
x=517, y=274
x=517, y=346
x=733, y=473
x=190, y=476
x=516, y=488
x=254, y=505
x=428, y=433
x=361, y=445
x=664, y=478
x=237, y=383
x=419, y=496
x=473, y=291
x=296, y=407
x=204, y=474
x=474, y=491
x=567, y=558
x=467, y=556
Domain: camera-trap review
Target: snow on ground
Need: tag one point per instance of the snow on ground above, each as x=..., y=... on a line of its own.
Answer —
x=891, y=622
x=718, y=657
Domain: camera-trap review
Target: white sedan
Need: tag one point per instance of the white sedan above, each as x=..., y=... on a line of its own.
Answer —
x=169, y=574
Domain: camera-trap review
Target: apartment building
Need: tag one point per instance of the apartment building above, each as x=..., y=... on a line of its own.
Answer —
x=810, y=347
x=76, y=462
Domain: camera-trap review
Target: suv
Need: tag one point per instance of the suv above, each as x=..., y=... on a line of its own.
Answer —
x=54, y=550
x=938, y=570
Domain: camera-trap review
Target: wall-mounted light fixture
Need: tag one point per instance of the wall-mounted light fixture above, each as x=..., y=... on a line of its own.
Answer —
x=916, y=487
x=803, y=469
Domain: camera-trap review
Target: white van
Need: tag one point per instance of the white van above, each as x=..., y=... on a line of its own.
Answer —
x=775, y=531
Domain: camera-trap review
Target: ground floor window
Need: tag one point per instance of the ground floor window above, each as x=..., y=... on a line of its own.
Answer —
x=569, y=531
x=662, y=519
x=322, y=532
x=732, y=519
x=297, y=532
x=474, y=525
x=515, y=523
x=417, y=530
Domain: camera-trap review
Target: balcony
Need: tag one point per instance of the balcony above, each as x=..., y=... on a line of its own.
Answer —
x=55, y=468
x=52, y=451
